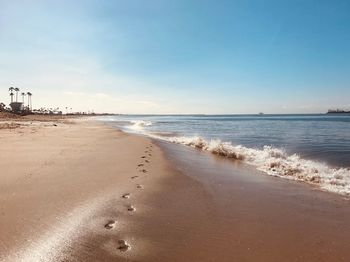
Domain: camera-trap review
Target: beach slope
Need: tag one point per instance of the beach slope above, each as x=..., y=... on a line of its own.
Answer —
x=78, y=190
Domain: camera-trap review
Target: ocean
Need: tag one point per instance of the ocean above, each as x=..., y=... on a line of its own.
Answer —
x=310, y=148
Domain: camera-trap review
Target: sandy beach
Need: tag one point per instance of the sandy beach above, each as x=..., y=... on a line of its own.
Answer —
x=78, y=190
x=174, y=131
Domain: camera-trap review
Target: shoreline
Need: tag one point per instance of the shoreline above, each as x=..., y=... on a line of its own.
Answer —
x=63, y=197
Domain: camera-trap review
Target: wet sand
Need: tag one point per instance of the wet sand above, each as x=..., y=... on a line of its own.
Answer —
x=251, y=216
x=86, y=192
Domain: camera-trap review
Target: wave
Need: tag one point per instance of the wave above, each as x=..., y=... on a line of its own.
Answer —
x=164, y=134
x=270, y=160
x=275, y=162
x=139, y=125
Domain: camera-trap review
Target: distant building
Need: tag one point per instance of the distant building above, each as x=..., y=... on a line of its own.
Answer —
x=17, y=107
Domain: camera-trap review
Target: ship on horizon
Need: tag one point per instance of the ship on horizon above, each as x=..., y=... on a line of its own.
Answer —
x=338, y=111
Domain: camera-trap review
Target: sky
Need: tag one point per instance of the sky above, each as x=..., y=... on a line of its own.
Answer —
x=178, y=57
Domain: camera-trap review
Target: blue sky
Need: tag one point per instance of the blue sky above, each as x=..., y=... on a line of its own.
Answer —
x=157, y=56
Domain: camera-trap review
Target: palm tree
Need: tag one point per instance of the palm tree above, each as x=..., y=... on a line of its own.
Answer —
x=29, y=94
x=16, y=90
x=11, y=89
x=11, y=94
x=23, y=95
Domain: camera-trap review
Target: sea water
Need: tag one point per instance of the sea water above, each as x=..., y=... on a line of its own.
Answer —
x=310, y=148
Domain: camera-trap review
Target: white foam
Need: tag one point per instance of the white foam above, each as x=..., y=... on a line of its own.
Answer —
x=139, y=125
x=275, y=162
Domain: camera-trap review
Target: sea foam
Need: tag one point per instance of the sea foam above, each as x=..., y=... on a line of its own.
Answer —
x=138, y=125
x=276, y=162
x=273, y=161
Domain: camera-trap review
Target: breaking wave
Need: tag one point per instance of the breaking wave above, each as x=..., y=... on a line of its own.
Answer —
x=275, y=162
x=139, y=125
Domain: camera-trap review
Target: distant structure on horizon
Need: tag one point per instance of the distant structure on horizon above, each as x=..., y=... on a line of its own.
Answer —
x=18, y=107
x=338, y=111
x=24, y=107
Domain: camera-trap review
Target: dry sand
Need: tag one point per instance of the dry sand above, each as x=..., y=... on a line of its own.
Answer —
x=55, y=179
x=81, y=191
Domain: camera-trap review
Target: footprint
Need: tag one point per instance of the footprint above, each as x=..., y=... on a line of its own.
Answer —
x=147, y=161
x=111, y=224
x=139, y=165
x=143, y=157
x=149, y=154
x=127, y=195
x=123, y=245
x=131, y=208
x=133, y=177
x=139, y=186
